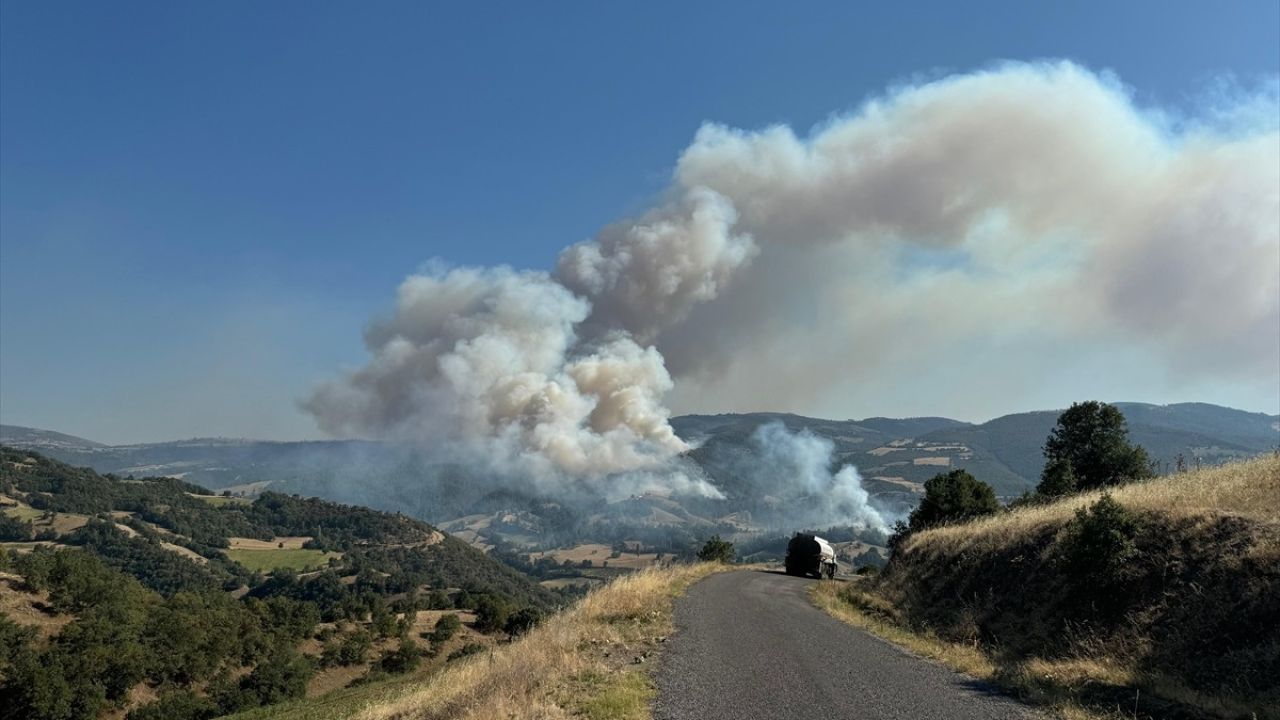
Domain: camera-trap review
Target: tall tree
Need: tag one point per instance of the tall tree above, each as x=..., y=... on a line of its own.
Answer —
x=952, y=496
x=1089, y=448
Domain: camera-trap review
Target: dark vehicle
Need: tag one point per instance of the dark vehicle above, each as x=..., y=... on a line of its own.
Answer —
x=810, y=555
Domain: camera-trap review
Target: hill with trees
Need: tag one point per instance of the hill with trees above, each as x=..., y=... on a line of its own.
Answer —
x=1109, y=585
x=156, y=598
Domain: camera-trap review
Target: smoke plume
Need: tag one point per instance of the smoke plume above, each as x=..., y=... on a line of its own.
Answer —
x=795, y=468
x=1009, y=214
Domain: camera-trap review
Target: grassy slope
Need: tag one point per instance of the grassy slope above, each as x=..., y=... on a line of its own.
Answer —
x=579, y=663
x=1189, y=627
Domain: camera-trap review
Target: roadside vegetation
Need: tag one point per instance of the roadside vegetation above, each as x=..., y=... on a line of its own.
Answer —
x=592, y=661
x=1108, y=592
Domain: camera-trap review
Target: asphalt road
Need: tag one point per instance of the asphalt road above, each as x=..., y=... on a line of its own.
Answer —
x=749, y=645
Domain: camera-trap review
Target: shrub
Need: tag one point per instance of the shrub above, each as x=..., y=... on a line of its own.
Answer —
x=1099, y=546
x=401, y=660
x=446, y=627
x=178, y=705
x=491, y=614
x=716, y=550
x=522, y=621
x=465, y=650
x=437, y=600
x=350, y=650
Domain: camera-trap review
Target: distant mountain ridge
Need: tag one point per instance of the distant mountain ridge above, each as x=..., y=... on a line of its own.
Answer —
x=894, y=455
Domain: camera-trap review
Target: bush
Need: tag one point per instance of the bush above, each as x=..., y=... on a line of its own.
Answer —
x=1099, y=542
x=491, y=614
x=446, y=627
x=179, y=705
x=522, y=621
x=403, y=659
x=13, y=529
x=716, y=550
x=465, y=650
x=350, y=650
x=281, y=676
x=437, y=600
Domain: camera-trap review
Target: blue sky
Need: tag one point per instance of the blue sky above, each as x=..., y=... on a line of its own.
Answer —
x=201, y=205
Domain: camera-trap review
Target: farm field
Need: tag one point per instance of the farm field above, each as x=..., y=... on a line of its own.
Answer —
x=599, y=554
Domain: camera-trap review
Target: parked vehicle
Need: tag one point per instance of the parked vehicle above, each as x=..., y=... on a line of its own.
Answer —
x=810, y=555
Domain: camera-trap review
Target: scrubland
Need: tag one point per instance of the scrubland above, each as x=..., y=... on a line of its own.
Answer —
x=590, y=661
x=1164, y=604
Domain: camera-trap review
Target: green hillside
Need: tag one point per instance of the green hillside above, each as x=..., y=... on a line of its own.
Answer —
x=121, y=592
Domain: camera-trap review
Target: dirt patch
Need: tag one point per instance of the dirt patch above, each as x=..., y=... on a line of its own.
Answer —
x=185, y=552
x=938, y=461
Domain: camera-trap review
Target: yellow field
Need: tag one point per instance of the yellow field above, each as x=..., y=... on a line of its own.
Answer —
x=277, y=543
x=598, y=554
x=23, y=512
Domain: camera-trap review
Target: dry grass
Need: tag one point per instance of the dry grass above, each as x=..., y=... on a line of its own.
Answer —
x=870, y=612
x=276, y=543
x=582, y=662
x=1249, y=489
x=598, y=554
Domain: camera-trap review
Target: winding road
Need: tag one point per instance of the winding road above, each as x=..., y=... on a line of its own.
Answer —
x=749, y=645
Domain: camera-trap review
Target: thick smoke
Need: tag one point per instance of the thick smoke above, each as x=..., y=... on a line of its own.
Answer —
x=485, y=365
x=1012, y=214
x=796, y=469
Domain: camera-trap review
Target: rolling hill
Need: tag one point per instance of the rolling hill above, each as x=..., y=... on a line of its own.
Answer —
x=155, y=597
x=893, y=456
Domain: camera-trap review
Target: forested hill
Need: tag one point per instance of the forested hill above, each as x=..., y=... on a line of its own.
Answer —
x=156, y=596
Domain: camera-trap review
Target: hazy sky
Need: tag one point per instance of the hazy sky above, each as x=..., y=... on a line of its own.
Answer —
x=202, y=205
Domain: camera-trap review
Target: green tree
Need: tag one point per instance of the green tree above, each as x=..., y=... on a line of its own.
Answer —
x=716, y=550
x=491, y=614
x=176, y=705
x=952, y=496
x=522, y=621
x=1092, y=440
x=1058, y=479
x=446, y=627
x=403, y=659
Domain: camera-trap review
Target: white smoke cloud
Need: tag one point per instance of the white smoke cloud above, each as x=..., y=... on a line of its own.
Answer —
x=643, y=276
x=486, y=364
x=799, y=464
x=1027, y=206
x=995, y=220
